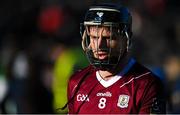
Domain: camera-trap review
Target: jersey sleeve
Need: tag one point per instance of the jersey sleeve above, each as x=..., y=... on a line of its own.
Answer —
x=70, y=96
x=72, y=87
x=74, y=83
x=153, y=100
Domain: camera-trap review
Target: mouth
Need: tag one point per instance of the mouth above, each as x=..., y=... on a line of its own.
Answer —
x=101, y=55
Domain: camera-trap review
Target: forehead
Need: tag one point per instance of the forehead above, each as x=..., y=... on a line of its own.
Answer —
x=98, y=28
x=104, y=29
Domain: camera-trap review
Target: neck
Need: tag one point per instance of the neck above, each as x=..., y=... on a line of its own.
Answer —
x=108, y=74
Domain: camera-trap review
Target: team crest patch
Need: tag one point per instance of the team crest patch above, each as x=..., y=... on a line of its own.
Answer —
x=100, y=14
x=123, y=101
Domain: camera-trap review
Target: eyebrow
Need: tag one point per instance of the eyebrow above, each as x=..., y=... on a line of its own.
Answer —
x=96, y=35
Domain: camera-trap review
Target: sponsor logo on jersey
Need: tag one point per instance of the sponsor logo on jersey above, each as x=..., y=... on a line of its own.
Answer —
x=106, y=94
x=82, y=97
x=123, y=101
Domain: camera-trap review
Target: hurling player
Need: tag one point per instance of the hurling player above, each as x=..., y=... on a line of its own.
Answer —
x=114, y=82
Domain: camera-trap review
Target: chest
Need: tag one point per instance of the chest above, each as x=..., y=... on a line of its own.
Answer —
x=94, y=98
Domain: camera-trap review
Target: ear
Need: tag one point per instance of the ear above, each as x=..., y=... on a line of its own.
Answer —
x=83, y=40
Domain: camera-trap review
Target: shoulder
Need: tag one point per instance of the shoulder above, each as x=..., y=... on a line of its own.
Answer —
x=143, y=75
x=150, y=89
x=78, y=75
x=148, y=83
x=147, y=87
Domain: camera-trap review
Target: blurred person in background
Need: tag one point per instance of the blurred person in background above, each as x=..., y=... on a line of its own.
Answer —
x=66, y=61
x=114, y=82
x=172, y=71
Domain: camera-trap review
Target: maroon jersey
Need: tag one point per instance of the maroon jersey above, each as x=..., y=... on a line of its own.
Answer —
x=134, y=90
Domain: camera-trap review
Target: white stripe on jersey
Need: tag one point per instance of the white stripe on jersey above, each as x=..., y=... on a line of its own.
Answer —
x=74, y=89
x=133, y=79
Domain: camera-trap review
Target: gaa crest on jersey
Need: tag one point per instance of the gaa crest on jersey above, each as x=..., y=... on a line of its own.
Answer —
x=123, y=101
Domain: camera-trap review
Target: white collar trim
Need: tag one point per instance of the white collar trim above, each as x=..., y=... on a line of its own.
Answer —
x=108, y=82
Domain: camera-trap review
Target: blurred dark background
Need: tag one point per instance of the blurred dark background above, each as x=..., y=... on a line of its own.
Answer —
x=40, y=47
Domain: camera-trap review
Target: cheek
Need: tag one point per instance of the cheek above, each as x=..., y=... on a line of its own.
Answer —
x=93, y=44
x=114, y=44
x=121, y=43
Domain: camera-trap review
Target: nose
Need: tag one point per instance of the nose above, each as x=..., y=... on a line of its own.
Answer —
x=102, y=43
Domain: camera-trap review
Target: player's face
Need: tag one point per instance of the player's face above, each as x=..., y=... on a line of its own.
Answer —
x=104, y=42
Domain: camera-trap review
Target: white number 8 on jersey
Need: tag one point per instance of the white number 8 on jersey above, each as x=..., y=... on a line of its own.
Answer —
x=102, y=103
